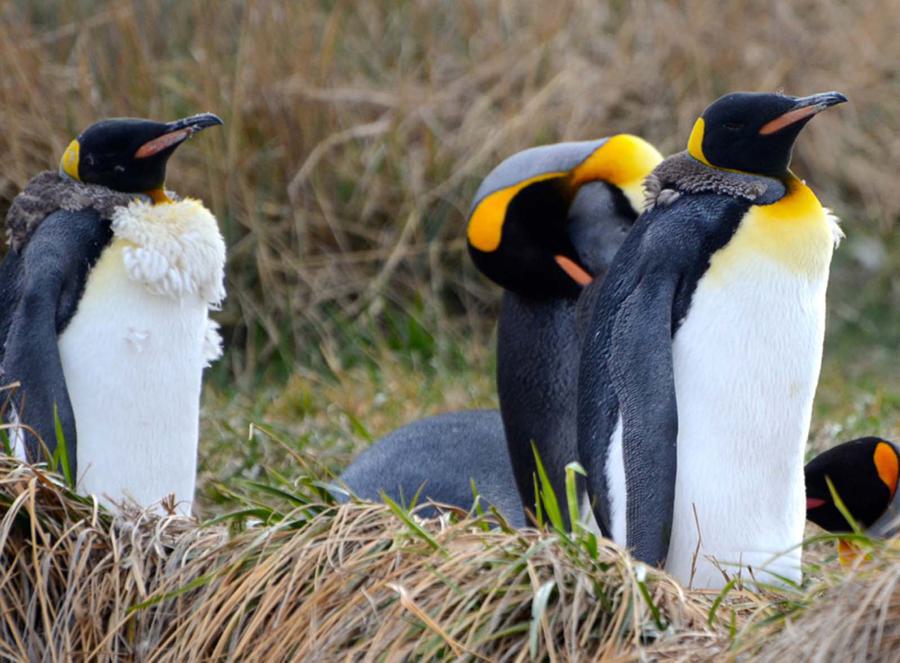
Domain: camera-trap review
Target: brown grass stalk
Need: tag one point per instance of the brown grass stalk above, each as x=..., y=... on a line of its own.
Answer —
x=356, y=132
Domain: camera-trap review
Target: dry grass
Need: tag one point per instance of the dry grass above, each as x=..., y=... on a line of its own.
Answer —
x=352, y=582
x=356, y=131
x=358, y=582
x=851, y=616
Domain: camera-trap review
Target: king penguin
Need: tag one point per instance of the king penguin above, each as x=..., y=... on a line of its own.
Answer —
x=864, y=474
x=702, y=356
x=543, y=224
x=106, y=301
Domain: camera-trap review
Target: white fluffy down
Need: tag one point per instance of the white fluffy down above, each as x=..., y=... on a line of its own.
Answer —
x=173, y=249
x=134, y=353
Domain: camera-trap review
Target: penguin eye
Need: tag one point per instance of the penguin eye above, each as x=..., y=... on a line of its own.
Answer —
x=734, y=126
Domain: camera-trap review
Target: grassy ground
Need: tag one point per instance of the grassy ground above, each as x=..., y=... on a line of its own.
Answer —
x=355, y=134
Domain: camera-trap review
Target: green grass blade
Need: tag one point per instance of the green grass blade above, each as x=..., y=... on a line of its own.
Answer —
x=196, y=583
x=845, y=512
x=410, y=522
x=5, y=441
x=538, y=511
x=648, y=599
x=711, y=615
x=538, y=608
x=572, y=469
x=547, y=494
x=62, y=451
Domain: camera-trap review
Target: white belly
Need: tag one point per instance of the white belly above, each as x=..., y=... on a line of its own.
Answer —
x=133, y=364
x=746, y=363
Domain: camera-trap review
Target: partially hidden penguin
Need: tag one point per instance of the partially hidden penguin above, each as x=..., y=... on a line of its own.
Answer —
x=864, y=475
x=543, y=224
x=702, y=354
x=106, y=292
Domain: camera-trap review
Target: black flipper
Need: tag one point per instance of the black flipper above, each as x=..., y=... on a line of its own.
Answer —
x=626, y=361
x=53, y=269
x=643, y=378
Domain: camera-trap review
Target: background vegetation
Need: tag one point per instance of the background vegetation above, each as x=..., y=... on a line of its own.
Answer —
x=356, y=132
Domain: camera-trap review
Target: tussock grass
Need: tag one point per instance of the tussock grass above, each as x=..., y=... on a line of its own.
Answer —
x=850, y=616
x=356, y=132
x=354, y=581
x=313, y=581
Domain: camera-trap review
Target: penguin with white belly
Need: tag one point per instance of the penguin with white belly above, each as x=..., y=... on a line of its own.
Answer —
x=105, y=324
x=702, y=356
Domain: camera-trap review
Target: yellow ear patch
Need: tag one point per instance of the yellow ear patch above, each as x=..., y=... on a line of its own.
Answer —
x=624, y=161
x=486, y=222
x=69, y=162
x=887, y=465
x=695, y=142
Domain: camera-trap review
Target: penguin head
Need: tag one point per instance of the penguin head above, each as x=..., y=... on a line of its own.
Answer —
x=129, y=154
x=864, y=473
x=542, y=218
x=754, y=132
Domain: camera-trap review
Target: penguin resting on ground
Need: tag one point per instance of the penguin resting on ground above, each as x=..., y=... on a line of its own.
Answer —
x=864, y=473
x=703, y=352
x=543, y=224
x=105, y=300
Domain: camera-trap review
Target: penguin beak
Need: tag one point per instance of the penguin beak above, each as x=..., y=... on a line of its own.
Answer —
x=814, y=503
x=177, y=132
x=804, y=108
x=575, y=271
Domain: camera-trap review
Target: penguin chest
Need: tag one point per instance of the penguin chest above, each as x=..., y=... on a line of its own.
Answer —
x=746, y=364
x=133, y=362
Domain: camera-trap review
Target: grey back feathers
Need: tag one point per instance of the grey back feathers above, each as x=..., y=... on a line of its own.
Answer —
x=681, y=173
x=438, y=459
x=535, y=161
x=48, y=192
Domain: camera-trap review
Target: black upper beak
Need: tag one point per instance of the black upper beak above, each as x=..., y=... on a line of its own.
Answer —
x=820, y=101
x=194, y=123
x=176, y=133
x=802, y=110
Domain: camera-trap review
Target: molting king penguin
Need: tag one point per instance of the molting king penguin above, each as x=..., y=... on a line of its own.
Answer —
x=702, y=354
x=105, y=295
x=543, y=224
x=864, y=474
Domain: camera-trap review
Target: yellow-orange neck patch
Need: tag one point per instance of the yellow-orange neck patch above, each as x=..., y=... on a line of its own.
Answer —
x=695, y=142
x=623, y=161
x=848, y=552
x=158, y=196
x=887, y=465
x=795, y=231
x=486, y=222
x=69, y=161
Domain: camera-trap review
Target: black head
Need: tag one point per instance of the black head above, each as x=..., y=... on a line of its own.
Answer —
x=527, y=261
x=864, y=474
x=129, y=154
x=546, y=221
x=754, y=132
